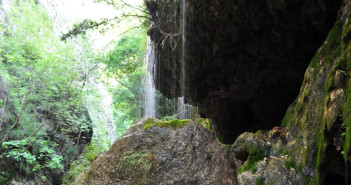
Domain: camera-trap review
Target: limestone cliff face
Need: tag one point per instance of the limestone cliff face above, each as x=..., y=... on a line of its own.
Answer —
x=319, y=118
x=317, y=125
x=245, y=59
x=161, y=154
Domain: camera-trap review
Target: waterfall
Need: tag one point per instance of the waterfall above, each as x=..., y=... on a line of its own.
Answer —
x=149, y=85
x=183, y=46
x=106, y=112
x=184, y=111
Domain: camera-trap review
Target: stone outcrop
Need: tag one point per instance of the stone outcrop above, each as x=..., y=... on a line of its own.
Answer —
x=151, y=152
x=265, y=157
x=245, y=59
x=317, y=124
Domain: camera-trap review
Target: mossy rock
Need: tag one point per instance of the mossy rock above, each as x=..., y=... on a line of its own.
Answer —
x=175, y=124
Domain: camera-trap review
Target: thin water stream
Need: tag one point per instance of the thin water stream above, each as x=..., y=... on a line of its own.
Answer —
x=149, y=85
x=184, y=111
x=180, y=108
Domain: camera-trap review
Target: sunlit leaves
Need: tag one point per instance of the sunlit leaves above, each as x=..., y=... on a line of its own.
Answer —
x=46, y=84
x=44, y=158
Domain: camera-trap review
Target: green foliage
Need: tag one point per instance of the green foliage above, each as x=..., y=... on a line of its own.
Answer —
x=45, y=100
x=5, y=177
x=128, y=54
x=175, y=124
x=91, y=151
x=127, y=13
x=40, y=157
x=124, y=64
x=83, y=27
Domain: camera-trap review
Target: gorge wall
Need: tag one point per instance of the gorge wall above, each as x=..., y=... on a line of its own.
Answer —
x=245, y=60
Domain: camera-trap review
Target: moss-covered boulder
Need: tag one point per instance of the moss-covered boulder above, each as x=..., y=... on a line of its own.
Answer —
x=159, y=152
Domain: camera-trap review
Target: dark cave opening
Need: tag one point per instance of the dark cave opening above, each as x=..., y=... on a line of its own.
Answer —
x=247, y=82
x=244, y=54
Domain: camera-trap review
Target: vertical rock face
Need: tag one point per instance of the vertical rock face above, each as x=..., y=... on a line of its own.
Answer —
x=164, y=155
x=317, y=125
x=245, y=58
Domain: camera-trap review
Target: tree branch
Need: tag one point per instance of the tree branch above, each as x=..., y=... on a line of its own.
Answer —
x=134, y=7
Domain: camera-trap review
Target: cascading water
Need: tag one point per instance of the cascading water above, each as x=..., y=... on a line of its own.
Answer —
x=184, y=111
x=150, y=92
x=180, y=108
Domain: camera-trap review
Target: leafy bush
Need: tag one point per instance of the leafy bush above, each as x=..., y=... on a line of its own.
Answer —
x=81, y=165
x=46, y=80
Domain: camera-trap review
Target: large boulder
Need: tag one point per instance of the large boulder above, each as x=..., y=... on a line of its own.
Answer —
x=156, y=152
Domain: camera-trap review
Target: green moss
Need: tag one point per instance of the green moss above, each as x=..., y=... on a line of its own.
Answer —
x=290, y=163
x=317, y=180
x=307, y=179
x=205, y=122
x=87, y=176
x=347, y=121
x=255, y=155
x=333, y=47
x=136, y=162
x=287, y=117
x=314, y=61
x=259, y=181
x=320, y=149
x=175, y=124
x=229, y=147
x=259, y=132
x=308, y=93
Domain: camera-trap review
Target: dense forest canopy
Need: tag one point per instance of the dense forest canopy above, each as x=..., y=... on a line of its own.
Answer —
x=64, y=96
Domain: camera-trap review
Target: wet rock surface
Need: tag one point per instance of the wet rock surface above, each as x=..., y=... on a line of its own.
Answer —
x=245, y=59
x=271, y=171
x=164, y=155
x=267, y=157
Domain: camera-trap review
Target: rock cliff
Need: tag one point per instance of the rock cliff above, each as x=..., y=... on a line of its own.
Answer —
x=157, y=152
x=245, y=60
